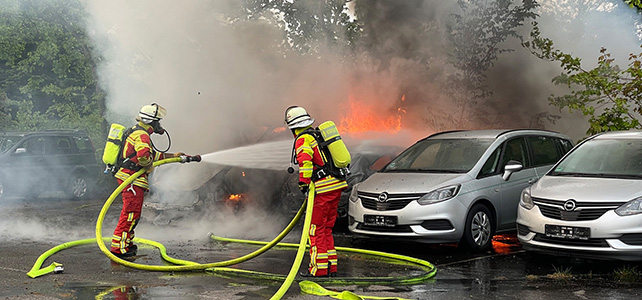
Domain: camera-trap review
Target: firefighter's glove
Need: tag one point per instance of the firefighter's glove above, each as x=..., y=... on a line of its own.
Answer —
x=178, y=154
x=303, y=187
x=149, y=169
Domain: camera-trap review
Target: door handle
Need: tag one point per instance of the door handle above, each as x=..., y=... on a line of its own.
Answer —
x=532, y=180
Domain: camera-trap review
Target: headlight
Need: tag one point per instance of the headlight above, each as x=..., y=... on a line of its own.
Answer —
x=525, y=200
x=353, y=194
x=439, y=195
x=632, y=207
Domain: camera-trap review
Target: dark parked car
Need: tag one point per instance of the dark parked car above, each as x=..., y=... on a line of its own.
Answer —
x=35, y=162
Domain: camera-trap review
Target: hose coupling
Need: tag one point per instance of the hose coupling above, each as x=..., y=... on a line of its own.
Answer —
x=190, y=158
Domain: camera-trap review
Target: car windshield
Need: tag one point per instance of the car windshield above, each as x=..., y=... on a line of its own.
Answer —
x=440, y=156
x=613, y=158
x=6, y=142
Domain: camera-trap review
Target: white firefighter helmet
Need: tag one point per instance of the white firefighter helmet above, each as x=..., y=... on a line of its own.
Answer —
x=151, y=112
x=297, y=117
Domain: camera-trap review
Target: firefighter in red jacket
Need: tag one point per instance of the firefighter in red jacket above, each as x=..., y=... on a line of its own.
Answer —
x=323, y=255
x=138, y=154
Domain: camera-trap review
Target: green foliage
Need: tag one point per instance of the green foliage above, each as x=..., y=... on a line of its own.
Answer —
x=47, y=68
x=609, y=96
x=308, y=24
x=634, y=3
x=477, y=34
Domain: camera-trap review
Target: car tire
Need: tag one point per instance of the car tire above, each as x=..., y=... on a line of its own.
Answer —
x=480, y=228
x=78, y=186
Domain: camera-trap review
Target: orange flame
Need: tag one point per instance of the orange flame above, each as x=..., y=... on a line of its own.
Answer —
x=235, y=197
x=278, y=129
x=505, y=243
x=363, y=116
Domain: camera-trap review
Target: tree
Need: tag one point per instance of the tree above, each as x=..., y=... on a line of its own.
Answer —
x=307, y=24
x=47, y=67
x=477, y=34
x=609, y=95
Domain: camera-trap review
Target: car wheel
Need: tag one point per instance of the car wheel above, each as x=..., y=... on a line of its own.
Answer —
x=479, y=230
x=78, y=186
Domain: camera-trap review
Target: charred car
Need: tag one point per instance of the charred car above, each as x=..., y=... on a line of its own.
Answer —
x=210, y=188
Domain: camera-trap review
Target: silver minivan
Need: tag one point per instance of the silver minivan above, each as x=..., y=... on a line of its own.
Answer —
x=590, y=203
x=456, y=186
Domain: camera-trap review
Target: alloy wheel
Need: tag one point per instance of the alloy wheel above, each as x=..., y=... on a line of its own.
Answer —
x=480, y=228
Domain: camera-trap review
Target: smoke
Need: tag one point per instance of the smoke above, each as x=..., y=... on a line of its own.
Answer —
x=225, y=84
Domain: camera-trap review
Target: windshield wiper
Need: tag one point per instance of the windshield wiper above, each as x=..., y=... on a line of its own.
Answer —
x=596, y=175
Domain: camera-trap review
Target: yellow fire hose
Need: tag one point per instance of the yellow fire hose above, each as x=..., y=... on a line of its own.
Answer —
x=217, y=267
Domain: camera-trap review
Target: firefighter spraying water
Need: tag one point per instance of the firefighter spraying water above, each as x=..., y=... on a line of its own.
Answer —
x=126, y=153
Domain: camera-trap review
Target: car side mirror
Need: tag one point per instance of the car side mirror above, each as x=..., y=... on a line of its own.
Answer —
x=21, y=150
x=510, y=168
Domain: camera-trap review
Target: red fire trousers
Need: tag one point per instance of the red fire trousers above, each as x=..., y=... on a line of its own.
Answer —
x=133, y=196
x=323, y=256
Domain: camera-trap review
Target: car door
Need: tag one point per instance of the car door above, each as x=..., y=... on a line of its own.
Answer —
x=545, y=152
x=60, y=155
x=515, y=149
x=29, y=164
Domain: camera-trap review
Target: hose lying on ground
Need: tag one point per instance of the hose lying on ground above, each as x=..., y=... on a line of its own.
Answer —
x=217, y=267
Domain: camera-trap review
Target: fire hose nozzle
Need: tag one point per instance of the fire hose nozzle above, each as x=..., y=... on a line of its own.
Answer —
x=58, y=269
x=190, y=158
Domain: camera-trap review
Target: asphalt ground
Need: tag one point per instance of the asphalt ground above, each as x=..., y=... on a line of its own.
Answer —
x=29, y=227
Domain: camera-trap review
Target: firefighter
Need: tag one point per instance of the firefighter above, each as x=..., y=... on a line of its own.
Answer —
x=138, y=153
x=323, y=255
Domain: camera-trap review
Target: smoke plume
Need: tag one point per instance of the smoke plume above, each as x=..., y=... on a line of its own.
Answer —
x=225, y=84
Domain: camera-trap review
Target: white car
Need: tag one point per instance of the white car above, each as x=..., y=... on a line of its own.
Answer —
x=590, y=203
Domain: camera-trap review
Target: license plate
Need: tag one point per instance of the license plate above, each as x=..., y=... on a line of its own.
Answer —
x=383, y=221
x=567, y=232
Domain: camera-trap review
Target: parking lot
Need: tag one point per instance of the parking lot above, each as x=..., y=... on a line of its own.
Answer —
x=29, y=227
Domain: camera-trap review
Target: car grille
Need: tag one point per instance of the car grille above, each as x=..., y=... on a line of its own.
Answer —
x=437, y=225
x=600, y=243
x=394, y=201
x=634, y=239
x=522, y=229
x=584, y=211
x=397, y=228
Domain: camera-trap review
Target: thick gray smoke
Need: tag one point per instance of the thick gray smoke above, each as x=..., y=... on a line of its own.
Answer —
x=225, y=85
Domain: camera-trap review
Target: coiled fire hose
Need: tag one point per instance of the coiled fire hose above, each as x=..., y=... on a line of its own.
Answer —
x=217, y=267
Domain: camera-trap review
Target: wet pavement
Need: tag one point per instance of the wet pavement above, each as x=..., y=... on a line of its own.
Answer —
x=29, y=228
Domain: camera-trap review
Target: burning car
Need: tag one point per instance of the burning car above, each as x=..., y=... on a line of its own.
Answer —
x=232, y=181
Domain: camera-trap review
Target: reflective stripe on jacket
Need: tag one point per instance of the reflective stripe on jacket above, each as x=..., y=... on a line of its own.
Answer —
x=308, y=155
x=139, y=143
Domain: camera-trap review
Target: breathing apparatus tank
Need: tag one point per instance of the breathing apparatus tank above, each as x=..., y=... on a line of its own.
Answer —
x=113, y=145
x=332, y=140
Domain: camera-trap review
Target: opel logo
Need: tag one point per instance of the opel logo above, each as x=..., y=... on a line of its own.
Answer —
x=383, y=197
x=570, y=205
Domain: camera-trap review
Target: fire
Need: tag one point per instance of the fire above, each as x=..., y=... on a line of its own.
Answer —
x=505, y=243
x=278, y=129
x=363, y=116
x=235, y=197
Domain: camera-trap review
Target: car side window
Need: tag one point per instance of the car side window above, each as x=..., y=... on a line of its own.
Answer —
x=59, y=145
x=35, y=146
x=490, y=167
x=566, y=145
x=83, y=144
x=515, y=149
x=544, y=150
